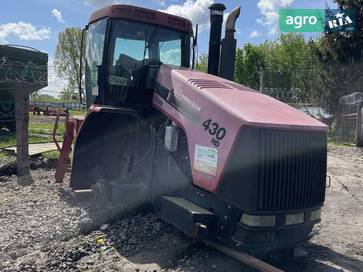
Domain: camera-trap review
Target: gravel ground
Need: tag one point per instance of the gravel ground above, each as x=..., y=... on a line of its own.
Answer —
x=44, y=229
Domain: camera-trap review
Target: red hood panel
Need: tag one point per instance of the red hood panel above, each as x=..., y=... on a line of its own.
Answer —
x=246, y=104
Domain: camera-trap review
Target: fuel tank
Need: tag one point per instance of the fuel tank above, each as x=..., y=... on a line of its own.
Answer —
x=242, y=140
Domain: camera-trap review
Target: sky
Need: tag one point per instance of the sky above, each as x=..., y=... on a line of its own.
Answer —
x=36, y=23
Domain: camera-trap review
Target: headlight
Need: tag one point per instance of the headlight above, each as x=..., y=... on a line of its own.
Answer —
x=315, y=215
x=258, y=220
x=295, y=218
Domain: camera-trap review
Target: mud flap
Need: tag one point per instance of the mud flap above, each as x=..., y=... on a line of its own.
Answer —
x=115, y=146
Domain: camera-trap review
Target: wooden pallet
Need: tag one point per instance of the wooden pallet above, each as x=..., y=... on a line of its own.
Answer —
x=35, y=149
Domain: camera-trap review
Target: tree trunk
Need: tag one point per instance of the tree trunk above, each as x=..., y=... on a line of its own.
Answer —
x=22, y=122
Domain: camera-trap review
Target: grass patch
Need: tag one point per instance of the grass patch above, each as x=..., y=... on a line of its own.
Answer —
x=52, y=155
x=46, y=128
x=7, y=140
x=10, y=140
x=35, y=139
x=73, y=112
x=3, y=155
x=339, y=143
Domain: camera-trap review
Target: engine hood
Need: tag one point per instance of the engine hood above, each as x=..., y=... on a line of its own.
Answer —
x=214, y=112
x=203, y=91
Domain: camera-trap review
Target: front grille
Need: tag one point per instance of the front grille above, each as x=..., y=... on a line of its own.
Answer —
x=291, y=169
x=273, y=169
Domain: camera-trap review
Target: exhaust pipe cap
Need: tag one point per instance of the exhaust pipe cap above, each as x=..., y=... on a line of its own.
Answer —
x=218, y=7
x=231, y=22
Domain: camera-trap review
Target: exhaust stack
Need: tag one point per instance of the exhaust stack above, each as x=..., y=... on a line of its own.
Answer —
x=229, y=43
x=216, y=20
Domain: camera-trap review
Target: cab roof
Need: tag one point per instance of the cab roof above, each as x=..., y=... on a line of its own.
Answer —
x=129, y=12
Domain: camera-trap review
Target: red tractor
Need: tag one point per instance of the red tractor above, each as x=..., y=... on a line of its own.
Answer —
x=217, y=160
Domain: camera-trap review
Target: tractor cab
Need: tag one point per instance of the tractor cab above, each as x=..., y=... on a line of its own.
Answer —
x=125, y=47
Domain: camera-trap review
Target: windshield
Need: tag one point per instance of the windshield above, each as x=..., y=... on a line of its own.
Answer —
x=134, y=46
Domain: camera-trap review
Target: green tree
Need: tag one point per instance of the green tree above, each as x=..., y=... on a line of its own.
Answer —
x=291, y=66
x=287, y=64
x=67, y=94
x=67, y=60
x=44, y=98
x=340, y=57
x=34, y=96
x=251, y=60
x=202, y=64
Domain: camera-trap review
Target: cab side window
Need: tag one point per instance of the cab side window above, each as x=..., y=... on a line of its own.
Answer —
x=170, y=52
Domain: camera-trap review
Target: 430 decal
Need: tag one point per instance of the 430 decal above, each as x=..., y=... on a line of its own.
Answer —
x=215, y=130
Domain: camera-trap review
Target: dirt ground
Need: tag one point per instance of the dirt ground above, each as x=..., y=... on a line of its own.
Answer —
x=44, y=229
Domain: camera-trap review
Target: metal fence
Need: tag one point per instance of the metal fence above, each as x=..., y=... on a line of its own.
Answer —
x=288, y=86
x=349, y=124
x=58, y=105
x=351, y=118
x=7, y=111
